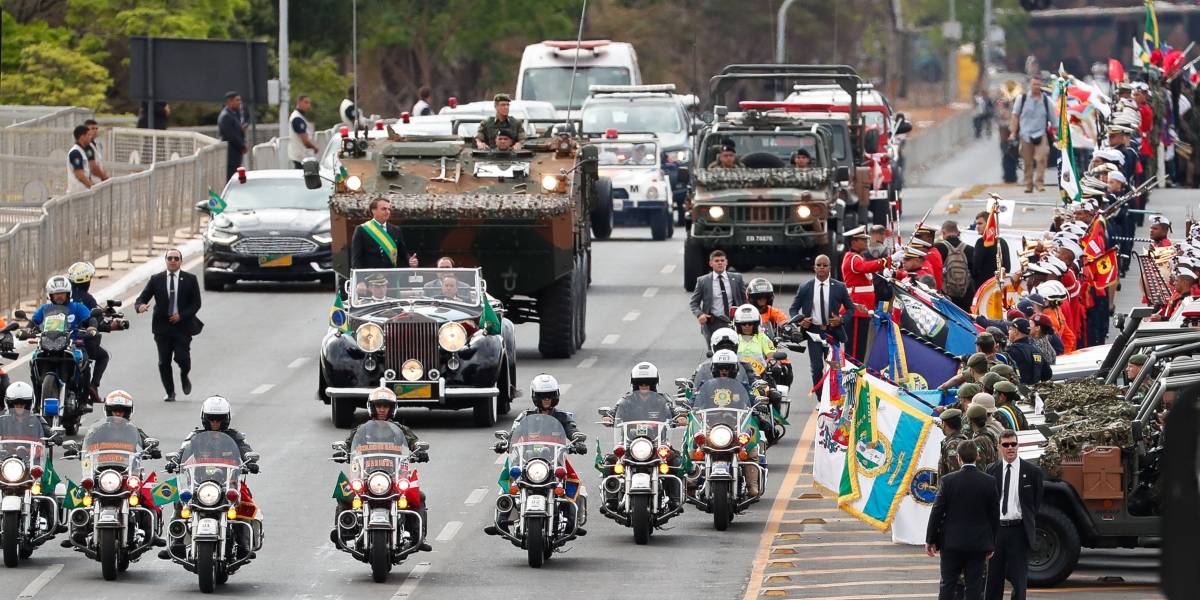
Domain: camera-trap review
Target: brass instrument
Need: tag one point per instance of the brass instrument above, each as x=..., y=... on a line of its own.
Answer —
x=1162, y=256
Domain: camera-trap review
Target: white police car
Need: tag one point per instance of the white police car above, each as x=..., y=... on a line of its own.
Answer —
x=631, y=174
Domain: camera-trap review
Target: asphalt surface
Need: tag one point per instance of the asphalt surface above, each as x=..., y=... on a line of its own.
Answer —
x=259, y=350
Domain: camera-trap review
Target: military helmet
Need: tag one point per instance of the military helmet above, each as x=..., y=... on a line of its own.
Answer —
x=724, y=359
x=382, y=396
x=644, y=373
x=81, y=272
x=723, y=338
x=544, y=386
x=118, y=400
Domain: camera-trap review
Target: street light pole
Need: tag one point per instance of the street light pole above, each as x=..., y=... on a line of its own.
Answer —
x=985, y=46
x=952, y=63
x=284, y=101
x=781, y=30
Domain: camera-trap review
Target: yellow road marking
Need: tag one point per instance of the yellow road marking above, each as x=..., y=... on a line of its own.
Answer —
x=813, y=586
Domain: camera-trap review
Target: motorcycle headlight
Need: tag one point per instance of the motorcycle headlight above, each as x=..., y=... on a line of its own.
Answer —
x=641, y=449
x=109, y=482
x=720, y=437
x=411, y=370
x=13, y=470
x=379, y=484
x=716, y=213
x=452, y=337
x=208, y=494
x=537, y=471
x=369, y=337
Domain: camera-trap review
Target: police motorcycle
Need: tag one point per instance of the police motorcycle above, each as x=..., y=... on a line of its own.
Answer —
x=536, y=514
x=723, y=437
x=112, y=526
x=209, y=535
x=30, y=514
x=59, y=368
x=641, y=493
x=379, y=526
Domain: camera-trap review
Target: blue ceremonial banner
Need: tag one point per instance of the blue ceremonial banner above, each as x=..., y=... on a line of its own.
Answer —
x=936, y=320
x=911, y=362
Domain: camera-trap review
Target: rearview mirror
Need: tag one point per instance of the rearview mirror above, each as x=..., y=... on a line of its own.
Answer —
x=843, y=174
x=312, y=173
x=706, y=117
x=150, y=443
x=20, y=314
x=341, y=446
x=252, y=457
x=605, y=411
x=903, y=127
x=501, y=434
x=421, y=447
x=71, y=446
x=202, y=207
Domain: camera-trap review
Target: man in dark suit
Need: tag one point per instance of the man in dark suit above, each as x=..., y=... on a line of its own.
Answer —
x=176, y=295
x=378, y=244
x=1019, y=483
x=821, y=302
x=963, y=525
x=229, y=125
x=716, y=293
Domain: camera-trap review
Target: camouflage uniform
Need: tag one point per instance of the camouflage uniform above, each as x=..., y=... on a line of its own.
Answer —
x=985, y=445
x=491, y=126
x=716, y=164
x=949, y=463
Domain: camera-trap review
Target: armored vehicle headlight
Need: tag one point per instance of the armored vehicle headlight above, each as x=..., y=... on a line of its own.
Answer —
x=411, y=370
x=652, y=193
x=369, y=337
x=452, y=337
x=549, y=183
x=803, y=212
x=716, y=213
x=354, y=183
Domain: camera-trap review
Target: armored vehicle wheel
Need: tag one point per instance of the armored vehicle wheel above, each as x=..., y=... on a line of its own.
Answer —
x=343, y=412
x=1055, y=548
x=602, y=212
x=660, y=225
x=693, y=263
x=557, y=306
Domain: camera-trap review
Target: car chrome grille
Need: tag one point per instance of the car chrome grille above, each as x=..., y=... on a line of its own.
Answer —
x=407, y=339
x=274, y=246
x=759, y=214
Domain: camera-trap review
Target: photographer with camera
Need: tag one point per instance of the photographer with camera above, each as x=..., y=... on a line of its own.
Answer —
x=81, y=274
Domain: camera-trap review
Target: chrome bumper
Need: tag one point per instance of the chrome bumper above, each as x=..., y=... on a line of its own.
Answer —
x=449, y=392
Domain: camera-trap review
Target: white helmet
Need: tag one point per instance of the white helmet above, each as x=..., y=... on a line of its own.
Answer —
x=724, y=359
x=81, y=272
x=382, y=396
x=19, y=392
x=58, y=284
x=118, y=399
x=746, y=314
x=1056, y=264
x=644, y=373
x=723, y=335
x=215, y=407
x=544, y=386
x=1052, y=291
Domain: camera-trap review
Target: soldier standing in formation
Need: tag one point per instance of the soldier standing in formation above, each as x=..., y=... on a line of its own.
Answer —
x=952, y=426
x=985, y=441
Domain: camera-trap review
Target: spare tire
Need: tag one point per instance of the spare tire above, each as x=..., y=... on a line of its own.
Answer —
x=763, y=160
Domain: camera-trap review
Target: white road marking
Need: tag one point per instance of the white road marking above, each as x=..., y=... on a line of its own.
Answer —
x=296, y=363
x=262, y=389
x=449, y=531
x=610, y=339
x=667, y=269
x=586, y=363
x=476, y=496
x=410, y=583
x=631, y=316
x=650, y=292
x=503, y=458
x=36, y=585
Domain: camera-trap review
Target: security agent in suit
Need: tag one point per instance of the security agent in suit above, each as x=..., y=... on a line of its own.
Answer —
x=229, y=125
x=366, y=253
x=716, y=293
x=176, y=295
x=1019, y=483
x=963, y=525
x=821, y=313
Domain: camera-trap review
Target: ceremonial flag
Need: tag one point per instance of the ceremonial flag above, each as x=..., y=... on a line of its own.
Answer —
x=1150, y=31
x=1068, y=181
x=571, y=482
x=165, y=492
x=1116, y=71
x=832, y=433
x=74, y=497
x=1099, y=260
x=488, y=321
x=341, y=490
x=924, y=365
x=216, y=205
x=338, y=319
x=50, y=478
x=991, y=228
x=506, y=478
x=146, y=492
x=1140, y=54
x=912, y=516
x=413, y=493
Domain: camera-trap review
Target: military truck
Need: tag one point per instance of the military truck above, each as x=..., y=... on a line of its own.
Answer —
x=520, y=216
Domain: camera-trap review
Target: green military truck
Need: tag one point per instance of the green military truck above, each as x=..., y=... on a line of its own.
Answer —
x=521, y=216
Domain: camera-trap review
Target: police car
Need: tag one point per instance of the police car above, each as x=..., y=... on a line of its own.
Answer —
x=631, y=174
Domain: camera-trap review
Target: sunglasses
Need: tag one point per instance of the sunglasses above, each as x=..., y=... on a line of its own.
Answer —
x=174, y=259
x=1008, y=445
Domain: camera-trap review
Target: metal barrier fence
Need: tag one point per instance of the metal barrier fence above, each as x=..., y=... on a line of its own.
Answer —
x=28, y=179
x=266, y=154
x=117, y=144
x=43, y=116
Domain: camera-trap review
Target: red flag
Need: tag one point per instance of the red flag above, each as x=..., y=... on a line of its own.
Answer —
x=1172, y=62
x=991, y=229
x=1102, y=270
x=1116, y=71
x=246, y=508
x=413, y=493
x=146, y=492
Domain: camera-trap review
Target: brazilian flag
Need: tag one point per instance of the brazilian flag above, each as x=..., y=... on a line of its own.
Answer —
x=688, y=444
x=488, y=321
x=74, y=497
x=341, y=175
x=778, y=417
x=165, y=492
x=337, y=315
x=341, y=491
x=599, y=458
x=216, y=205
x=505, y=478
x=50, y=478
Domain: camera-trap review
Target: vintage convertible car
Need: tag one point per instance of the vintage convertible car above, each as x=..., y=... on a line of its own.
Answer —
x=424, y=333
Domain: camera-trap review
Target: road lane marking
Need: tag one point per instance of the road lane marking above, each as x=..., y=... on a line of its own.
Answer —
x=411, y=582
x=650, y=292
x=840, y=584
x=586, y=363
x=610, y=339
x=858, y=597
x=449, y=531
x=262, y=389
x=667, y=269
x=296, y=363
x=36, y=585
x=476, y=496
x=933, y=567
x=631, y=316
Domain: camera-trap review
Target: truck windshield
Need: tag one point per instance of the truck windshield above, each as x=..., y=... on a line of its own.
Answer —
x=781, y=145
x=553, y=84
x=653, y=117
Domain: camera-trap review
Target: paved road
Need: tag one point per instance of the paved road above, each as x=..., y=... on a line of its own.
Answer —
x=259, y=350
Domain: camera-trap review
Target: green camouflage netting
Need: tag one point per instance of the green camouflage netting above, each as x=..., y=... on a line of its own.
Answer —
x=730, y=179
x=1088, y=414
x=455, y=206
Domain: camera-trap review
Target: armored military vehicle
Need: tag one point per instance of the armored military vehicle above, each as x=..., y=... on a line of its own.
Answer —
x=521, y=216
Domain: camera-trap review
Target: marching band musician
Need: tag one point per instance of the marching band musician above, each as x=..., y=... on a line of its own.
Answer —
x=858, y=273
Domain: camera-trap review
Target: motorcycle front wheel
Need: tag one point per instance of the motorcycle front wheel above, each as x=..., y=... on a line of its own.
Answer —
x=107, y=541
x=535, y=540
x=721, y=509
x=206, y=565
x=381, y=558
x=11, y=524
x=639, y=518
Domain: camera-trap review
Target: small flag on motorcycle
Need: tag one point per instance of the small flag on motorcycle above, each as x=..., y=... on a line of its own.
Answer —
x=216, y=205
x=505, y=476
x=74, y=497
x=165, y=492
x=599, y=458
x=50, y=477
x=341, y=491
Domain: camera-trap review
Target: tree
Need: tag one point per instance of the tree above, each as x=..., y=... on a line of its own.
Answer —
x=56, y=76
x=317, y=76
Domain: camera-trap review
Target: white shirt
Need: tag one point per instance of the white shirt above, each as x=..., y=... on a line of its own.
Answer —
x=420, y=107
x=1014, y=487
x=817, y=316
x=299, y=124
x=718, y=299
x=77, y=158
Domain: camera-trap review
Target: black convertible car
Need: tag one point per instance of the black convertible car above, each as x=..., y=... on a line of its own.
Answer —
x=426, y=334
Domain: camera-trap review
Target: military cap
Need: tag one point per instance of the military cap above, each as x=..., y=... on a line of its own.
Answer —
x=910, y=252
x=1185, y=272
x=968, y=390
x=975, y=411
x=977, y=359
x=1014, y=313
x=920, y=243
x=951, y=413
x=728, y=145
x=857, y=232
x=1117, y=176
x=986, y=400
x=989, y=381
x=1004, y=386
x=1160, y=220
x=1119, y=129
x=923, y=228
x=1004, y=370
x=1138, y=359
x=1022, y=325
x=1103, y=168
x=878, y=229
x=1111, y=155
x=377, y=279
x=502, y=98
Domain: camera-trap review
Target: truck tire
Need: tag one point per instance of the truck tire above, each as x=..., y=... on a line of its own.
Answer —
x=321, y=395
x=1055, y=548
x=602, y=212
x=660, y=225
x=557, y=305
x=694, y=263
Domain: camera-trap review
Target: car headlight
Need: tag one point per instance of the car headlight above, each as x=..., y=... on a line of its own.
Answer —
x=379, y=484
x=716, y=213
x=354, y=183
x=537, y=471
x=452, y=337
x=679, y=156
x=720, y=436
x=412, y=370
x=208, y=494
x=222, y=236
x=369, y=337
x=549, y=183
x=641, y=449
x=109, y=482
x=652, y=193
x=323, y=237
x=13, y=470
x=803, y=212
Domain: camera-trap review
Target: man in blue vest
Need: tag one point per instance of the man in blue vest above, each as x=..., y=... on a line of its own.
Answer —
x=378, y=244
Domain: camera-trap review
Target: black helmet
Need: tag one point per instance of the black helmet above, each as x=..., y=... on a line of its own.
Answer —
x=758, y=288
x=381, y=396
x=644, y=373
x=215, y=408
x=543, y=386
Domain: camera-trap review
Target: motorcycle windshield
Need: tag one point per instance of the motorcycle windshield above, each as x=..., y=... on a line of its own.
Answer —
x=378, y=446
x=211, y=456
x=113, y=442
x=721, y=400
x=647, y=416
x=538, y=436
x=21, y=437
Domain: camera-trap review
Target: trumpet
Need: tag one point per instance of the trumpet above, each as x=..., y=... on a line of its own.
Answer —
x=1161, y=256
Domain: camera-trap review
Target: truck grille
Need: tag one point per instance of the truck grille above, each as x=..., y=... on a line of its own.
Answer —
x=407, y=339
x=274, y=246
x=759, y=214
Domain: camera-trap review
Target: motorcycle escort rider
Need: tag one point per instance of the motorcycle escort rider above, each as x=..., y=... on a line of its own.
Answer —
x=381, y=406
x=725, y=364
x=644, y=399
x=79, y=319
x=81, y=274
x=18, y=400
x=723, y=339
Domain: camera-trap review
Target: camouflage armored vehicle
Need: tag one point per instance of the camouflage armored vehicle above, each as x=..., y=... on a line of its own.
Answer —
x=521, y=216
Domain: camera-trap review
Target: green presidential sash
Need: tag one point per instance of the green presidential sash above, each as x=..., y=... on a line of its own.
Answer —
x=381, y=237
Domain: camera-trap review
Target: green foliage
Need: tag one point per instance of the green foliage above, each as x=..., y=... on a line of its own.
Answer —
x=14, y=36
x=118, y=19
x=52, y=75
x=317, y=76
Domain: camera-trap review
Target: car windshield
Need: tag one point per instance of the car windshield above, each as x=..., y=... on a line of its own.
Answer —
x=111, y=442
x=643, y=154
x=553, y=84
x=290, y=192
x=781, y=145
x=652, y=117
x=375, y=286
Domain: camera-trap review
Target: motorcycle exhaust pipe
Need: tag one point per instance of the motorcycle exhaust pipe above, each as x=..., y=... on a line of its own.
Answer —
x=612, y=485
x=347, y=520
x=177, y=529
x=504, y=503
x=80, y=518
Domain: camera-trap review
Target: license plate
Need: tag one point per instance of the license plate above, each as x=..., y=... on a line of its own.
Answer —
x=878, y=194
x=379, y=517
x=413, y=391
x=760, y=238
x=618, y=204
x=107, y=517
x=206, y=527
x=535, y=503
x=275, y=261
x=640, y=481
x=720, y=469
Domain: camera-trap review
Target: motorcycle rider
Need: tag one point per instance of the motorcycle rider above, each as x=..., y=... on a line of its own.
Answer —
x=725, y=364
x=79, y=318
x=381, y=406
x=762, y=296
x=722, y=339
x=645, y=399
x=18, y=401
x=81, y=274
x=119, y=403
x=753, y=345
